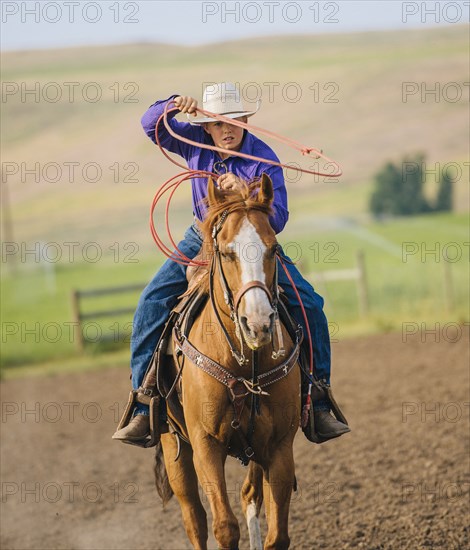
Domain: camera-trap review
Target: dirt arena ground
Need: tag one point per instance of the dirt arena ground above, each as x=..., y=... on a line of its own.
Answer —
x=400, y=480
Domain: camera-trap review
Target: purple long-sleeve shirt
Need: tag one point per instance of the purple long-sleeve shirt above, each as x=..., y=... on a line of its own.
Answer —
x=204, y=159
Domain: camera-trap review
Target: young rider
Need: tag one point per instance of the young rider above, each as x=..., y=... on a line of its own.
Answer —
x=161, y=294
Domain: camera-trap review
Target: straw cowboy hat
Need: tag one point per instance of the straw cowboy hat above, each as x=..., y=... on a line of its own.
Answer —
x=222, y=99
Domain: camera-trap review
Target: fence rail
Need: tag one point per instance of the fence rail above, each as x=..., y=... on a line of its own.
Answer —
x=77, y=297
x=357, y=274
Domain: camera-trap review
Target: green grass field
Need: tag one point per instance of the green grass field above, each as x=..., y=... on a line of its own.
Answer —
x=405, y=264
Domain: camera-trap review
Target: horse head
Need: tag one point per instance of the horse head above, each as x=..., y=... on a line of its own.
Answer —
x=244, y=256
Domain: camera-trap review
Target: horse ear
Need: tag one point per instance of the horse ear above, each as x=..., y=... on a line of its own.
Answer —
x=266, y=192
x=213, y=193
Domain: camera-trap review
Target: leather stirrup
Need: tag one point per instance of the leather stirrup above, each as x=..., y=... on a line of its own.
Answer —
x=153, y=402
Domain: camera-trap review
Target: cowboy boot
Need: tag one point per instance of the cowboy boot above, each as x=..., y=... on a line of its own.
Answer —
x=319, y=425
x=137, y=429
x=327, y=426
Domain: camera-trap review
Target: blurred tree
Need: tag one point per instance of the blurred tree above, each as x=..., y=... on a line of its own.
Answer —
x=387, y=188
x=399, y=189
x=445, y=193
x=411, y=198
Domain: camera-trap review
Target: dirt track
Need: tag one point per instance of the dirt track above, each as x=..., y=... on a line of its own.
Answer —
x=400, y=480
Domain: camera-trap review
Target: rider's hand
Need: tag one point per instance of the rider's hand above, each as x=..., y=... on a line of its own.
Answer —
x=186, y=104
x=230, y=182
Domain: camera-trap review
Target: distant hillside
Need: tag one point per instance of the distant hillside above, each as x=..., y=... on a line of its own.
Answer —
x=350, y=103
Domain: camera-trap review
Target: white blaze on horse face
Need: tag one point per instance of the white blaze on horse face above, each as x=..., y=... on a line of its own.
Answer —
x=250, y=250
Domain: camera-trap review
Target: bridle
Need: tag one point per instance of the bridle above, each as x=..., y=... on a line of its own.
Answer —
x=233, y=302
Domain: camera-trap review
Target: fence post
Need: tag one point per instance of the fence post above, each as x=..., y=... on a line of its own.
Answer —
x=362, y=289
x=77, y=332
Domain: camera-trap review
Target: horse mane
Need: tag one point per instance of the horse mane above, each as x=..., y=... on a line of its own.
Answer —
x=246, y=199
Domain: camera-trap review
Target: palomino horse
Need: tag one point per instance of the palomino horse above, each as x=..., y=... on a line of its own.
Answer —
x=217, y=379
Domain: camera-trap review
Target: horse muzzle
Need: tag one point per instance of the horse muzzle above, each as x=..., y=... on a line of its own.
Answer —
x=257, y=332
x=256, y=320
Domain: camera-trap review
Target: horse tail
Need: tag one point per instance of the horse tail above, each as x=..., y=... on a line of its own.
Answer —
x=162, y=483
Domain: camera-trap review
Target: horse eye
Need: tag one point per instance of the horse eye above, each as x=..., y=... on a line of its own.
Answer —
x=227, y=255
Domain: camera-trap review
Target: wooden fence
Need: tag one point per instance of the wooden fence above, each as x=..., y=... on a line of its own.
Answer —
x=357, y=274
x=79, y=316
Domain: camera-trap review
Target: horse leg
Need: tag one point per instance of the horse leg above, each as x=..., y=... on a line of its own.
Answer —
x=209, y=461
x=252, y=500
x=279, y=477
x=183, y=481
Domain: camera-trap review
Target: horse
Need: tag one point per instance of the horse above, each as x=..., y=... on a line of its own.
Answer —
x=229, y=362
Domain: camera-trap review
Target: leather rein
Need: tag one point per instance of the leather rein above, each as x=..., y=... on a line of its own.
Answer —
x=240, y=387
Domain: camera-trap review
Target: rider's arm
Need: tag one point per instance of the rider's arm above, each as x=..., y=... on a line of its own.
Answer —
x=149, y=120
x=280, y=215
x=258, y=148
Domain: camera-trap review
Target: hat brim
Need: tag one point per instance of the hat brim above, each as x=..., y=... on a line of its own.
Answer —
x=202, y=119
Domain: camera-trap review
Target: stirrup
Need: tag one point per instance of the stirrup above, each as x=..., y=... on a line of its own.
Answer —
x=320, y=390
x=136, y=396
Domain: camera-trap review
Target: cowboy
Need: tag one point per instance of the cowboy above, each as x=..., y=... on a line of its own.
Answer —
x=161, y=294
